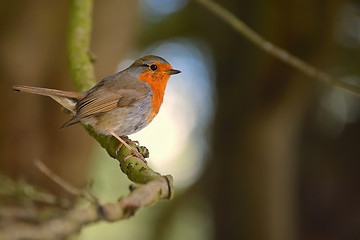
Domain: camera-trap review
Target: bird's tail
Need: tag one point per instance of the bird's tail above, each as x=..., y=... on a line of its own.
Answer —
x=67, y=99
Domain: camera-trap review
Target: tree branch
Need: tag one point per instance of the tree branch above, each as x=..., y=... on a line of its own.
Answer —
x=82, y=71
x=71, y=221
x=78, y=53
x=156, y=186
x=74, y=220
x=150, y=187
x=274, y=50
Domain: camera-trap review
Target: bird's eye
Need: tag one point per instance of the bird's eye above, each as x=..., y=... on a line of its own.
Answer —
x=153, y=67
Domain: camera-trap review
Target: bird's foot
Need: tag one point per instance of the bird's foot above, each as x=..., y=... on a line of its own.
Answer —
x=123, y=142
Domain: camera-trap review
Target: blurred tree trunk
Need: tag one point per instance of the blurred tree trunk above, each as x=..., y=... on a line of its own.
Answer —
x=33, y=52
x=259, y=116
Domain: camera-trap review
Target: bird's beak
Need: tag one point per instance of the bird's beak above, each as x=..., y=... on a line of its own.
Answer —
x=172, y=72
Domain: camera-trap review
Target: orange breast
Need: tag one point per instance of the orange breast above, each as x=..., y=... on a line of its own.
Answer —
x=157, y=82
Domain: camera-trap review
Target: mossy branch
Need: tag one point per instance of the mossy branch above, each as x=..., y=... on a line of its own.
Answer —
x=82, y=71
x=135, y=169
x=78, y=53
x=149, y=188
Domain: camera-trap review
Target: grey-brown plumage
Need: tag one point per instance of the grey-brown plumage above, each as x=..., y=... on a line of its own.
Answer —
x=122, y=103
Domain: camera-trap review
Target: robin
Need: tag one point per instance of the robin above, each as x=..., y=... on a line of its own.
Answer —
x=120, y=104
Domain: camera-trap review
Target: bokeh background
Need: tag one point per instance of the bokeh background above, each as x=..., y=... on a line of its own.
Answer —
x=257, y=149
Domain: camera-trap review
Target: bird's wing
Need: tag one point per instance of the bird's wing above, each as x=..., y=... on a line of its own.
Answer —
x=107, y=98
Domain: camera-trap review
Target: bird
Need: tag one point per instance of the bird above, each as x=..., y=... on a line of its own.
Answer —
x=120, y=104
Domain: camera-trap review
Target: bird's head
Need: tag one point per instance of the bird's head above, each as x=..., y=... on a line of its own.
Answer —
x=154, y=70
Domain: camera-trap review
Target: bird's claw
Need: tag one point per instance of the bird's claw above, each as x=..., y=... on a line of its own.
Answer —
x=135, y=154
x=118, y=148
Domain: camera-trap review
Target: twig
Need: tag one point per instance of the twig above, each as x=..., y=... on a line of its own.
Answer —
x=62, y=183
x=274, y=50
x=22, y=192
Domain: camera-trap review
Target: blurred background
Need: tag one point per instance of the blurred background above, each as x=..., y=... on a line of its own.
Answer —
x=257, y=149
